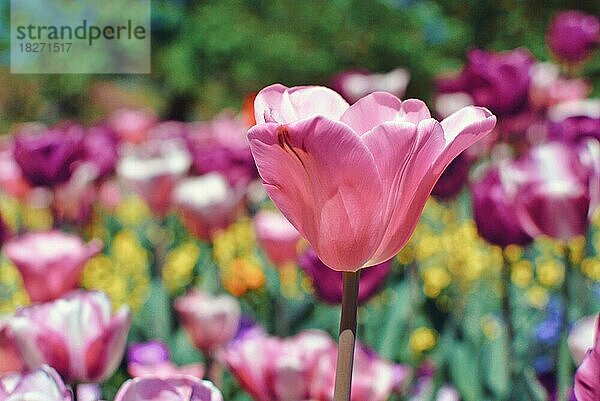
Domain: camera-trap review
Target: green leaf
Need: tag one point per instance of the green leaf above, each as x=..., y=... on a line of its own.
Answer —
x=465, y=372
x=155, y=318
x=495, y=366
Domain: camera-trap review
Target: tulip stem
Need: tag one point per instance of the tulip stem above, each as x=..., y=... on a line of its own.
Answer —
x=564, y=367
x=345, y=361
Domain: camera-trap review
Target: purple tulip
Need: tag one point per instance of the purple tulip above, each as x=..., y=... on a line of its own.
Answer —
x=76, y=335
x=328, y=283
x=353, y=85
x=557, y=189
x=46, y=158
x=175, y=388
x=220, y=145
x=587, y=377
x=494, y=212
x=573, y=35
x=575, y=121
x=148, y=353
x=454, y=177
x=40, y=384
x=498, y=81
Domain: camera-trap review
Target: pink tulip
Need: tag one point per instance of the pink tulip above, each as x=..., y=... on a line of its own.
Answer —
x=41, y=384
x=88, y=392
x=273, y=369
x=10, y=358
x=74, y=200
x=547, y=88
x=374, y=378
x=175, y=388
x=353, y=180
x=581, y=337
x=50, y=262
x=276, y=236
x=153, y=168
x=152, y=359
x=131, y=125
x=587, y=377
x=207, y=204
x=75, y=335
x=210, y=322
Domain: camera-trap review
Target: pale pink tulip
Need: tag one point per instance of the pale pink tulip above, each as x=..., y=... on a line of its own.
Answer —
x=175, y=388
x=276, y=236
x=75, y=335
x=50, y=262
x=354, y=179
x=581, y=337
x=10, y=357
x=207, y=204
x=42, y=384
x=210, y=322
x=587, y=377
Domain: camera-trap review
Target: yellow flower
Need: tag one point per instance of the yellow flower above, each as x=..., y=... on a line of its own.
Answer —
x=537, y=296
x=422, y=339
x=513, y=253
x=37, y=219
x=179, y=265
x=591, y=268
x=522, y=273
x=551, y=273
x=132, y=211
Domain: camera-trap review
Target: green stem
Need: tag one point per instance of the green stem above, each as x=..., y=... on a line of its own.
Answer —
x=347, y=339
x=564, y=365
x=507, y=316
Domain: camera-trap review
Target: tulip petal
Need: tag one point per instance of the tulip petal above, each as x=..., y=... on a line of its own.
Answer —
x=371, y=111
x=105, y=353
x=462, y=129
x=277, y=103
x=318, y=171
x=404, y=154
x=414, y=111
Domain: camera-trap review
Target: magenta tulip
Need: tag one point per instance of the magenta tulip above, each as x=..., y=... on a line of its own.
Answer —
x=100, y=151
x=353, y=180
x=75, y=335
x=207, y=204
x=148, y=353
x=575, y=121
x=153, y=168
x=42, y=384
x=328, y=283
x=573, y=35
x=353, y=85
x=50, y=262
x=454, y=177
x=497, y=80
x=558, y=187
x=211, y=322
x=494, y=210
x=175, y=388
x=46, y=158
x=587, y=377
x=4, y=233
x=152, y=359
x=276, y=236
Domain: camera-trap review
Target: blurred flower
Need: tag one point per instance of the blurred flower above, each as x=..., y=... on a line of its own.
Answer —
x=100, y=150
x=175, y=388
x=575, y=121
x=548, y=331
x=11, y=360
x=40, y=384
x=76, y=335
x=454, y=178
x=12, y=181
x=447, y=393
x=73, y=200
x=4, y=232
x=328, y=283
x=374, y=379
x=573, y=35
x=276, y=236
x=247, y=112
x=153, y=169
x=496, y=80
x=448, y=103
x=178, y=270
x=353, y=85
x=549, y=88
x=422, y=339
x=494, y=213
x=88, y=392
x=587, y=377
x=220, y=145
x=207, y=204
x=152, y=359
x=210, y=321
x=556, y=192
x=46, y=157
x=581, y=337
x=131, y=125
x=332, y=183
x=50, y=262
